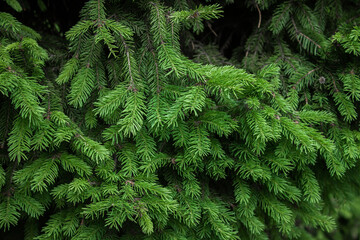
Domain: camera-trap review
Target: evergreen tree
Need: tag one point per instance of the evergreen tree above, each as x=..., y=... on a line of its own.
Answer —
x=133, y=139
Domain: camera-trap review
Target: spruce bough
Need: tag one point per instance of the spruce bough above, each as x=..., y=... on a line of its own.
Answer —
x=134, y=140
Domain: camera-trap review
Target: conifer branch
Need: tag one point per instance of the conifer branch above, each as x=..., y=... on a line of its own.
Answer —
x=9, y=191
x=298, y=32
x=307, y=74
x=163, y=44
x=307, y=17
x=333, y=81
x=150, y=47
x=132, y=85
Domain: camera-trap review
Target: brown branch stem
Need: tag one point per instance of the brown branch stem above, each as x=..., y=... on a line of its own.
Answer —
x=257, y=7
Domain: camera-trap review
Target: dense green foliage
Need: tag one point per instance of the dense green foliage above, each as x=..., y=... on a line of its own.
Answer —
x=124, y=136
